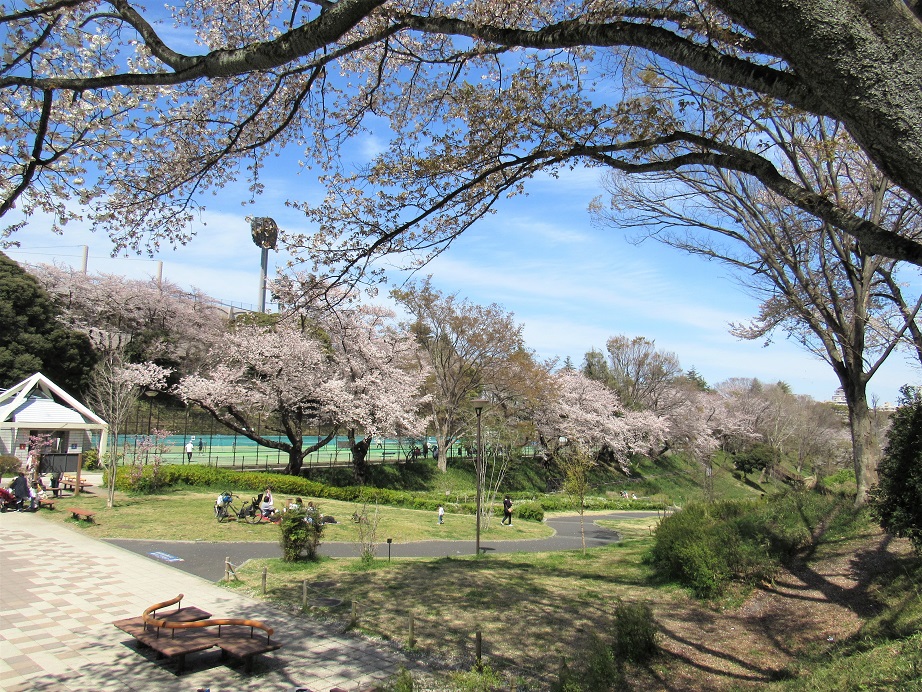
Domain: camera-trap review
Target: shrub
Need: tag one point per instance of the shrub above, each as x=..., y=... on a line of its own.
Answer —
x=842, y=481
x=567, y=680
x=91, y=459
x=218, y=479
x=529, y=511
x=484, y=679
x=758, y=458
x=402, y=682
x=299, y=533
x=601, y=670
x=896, y=499
x=635, y=632
x=705, y=546
x=9, y=465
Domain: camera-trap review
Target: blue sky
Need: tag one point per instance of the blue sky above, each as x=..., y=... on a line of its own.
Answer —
x=571, y=284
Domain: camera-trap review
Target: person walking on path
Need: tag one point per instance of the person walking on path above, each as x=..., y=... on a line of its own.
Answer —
x=507, y=511
x=441, y=514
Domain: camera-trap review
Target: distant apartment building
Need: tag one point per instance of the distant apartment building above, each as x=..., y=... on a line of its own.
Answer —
x=838, y=399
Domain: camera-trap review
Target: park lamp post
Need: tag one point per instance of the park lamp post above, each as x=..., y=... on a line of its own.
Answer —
x=150, y=394
x=479, y=403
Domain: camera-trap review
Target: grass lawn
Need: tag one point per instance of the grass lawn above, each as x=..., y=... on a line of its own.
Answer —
x=532, y=608
x=189, y=516
x=810, y=628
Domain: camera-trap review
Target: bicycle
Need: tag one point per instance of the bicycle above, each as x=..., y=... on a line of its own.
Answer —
x=224, y=508
x=252, y=512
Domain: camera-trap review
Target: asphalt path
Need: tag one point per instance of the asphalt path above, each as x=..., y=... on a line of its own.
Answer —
x=206, y=560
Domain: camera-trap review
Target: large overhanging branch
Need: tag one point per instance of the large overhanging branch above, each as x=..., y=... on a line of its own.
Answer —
x=493, y=180
x=873, y=238
x=703, y=59
x=299, y=42
x=35, y=160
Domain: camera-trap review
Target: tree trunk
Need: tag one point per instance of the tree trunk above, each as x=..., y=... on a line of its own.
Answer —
x=864, y=449
x=113, y=467
x=441, y=438
x=359, y=450
x=842, y=49
x=295, y=460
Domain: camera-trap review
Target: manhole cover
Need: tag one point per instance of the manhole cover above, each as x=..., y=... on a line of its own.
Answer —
x=326, y=602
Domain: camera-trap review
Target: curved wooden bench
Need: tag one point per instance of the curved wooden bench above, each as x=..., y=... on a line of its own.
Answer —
x=235, y=636
x=192, y=629
x=187, y=614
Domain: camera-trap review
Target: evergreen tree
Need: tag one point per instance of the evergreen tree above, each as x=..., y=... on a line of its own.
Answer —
x=33, y=340
x=897, y=497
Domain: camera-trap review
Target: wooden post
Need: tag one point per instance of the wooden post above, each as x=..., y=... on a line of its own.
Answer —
x=411, y=641
x=227, y=568
x=78, y=475
x=478, y=648
x=354, y=614
x=265, y=571
x=304, y=594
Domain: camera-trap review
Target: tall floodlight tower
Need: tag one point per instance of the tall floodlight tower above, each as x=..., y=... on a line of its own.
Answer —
x=265, y=235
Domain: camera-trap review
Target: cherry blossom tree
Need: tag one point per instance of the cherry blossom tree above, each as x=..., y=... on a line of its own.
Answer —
x=378, y=362
x=316, y=369
x=380, y=366
x=588, y=413
x=261, y=370
x=648, y=379
x=143, y=320
x=103, y=103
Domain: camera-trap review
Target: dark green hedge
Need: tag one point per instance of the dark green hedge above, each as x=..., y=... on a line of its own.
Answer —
x=218, y=479
x=528, y=506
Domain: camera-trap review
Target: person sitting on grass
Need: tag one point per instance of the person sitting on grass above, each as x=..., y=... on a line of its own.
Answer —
x=267, y=506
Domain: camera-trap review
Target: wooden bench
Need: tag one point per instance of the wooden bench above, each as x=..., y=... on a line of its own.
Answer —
x=189, y=630
x=45, y=502
x=82, y=513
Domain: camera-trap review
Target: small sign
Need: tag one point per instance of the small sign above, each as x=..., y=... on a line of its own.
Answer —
x=166, y=557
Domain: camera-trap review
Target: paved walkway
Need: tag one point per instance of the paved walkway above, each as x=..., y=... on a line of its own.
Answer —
x=60, y=591
x=206, y=560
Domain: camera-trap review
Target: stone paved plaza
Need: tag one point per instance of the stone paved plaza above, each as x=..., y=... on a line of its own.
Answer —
x=60, y=592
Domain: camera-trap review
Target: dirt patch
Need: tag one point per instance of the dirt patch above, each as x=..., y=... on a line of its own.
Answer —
x=808, y=608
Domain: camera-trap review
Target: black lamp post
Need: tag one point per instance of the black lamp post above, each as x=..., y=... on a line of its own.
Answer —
x=479, y=403
x=150, y=394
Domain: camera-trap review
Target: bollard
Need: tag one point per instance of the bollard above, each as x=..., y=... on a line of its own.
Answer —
x=265, y=571
x=478, y=649
x=304, y=594
x=411, y=641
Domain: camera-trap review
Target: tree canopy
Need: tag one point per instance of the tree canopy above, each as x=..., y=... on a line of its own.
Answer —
x=108, y=114
x=33, y=339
